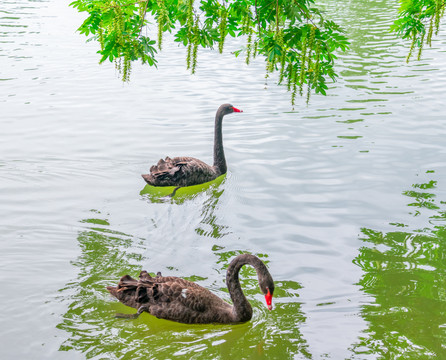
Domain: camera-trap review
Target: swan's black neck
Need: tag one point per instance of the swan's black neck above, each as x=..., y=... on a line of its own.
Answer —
x=219, y=154
x=242, y=310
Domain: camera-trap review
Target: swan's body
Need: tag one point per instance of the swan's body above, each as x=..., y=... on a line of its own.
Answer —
x=188, y=171
x=176, y=299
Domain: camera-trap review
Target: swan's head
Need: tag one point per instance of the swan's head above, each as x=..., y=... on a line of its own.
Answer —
x=267, y=288
x=269, y=298
x=228, y=109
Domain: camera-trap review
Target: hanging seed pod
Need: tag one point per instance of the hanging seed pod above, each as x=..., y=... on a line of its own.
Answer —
x=420, y=49
x=279, y=37
x=303, y=62
x=249, y=31
x=161, y=19
x=282, y=66
x=294, y=91
x=412, y=47
x=196, y=42
x=189, y=56
x=267, y=73
x=222, y=29
x=317, y=66
x=309, y=85
x=248, y=47
x=101, y=36
x=119, y=26
x=118, y=64
x=246, y=22
x=311, y=37
x=311, y=44
x=282, y=57
x=439, y=8
x=126, y=68
x=430, y=31
x=290, y=75
x=310, y=75
x=189, y=29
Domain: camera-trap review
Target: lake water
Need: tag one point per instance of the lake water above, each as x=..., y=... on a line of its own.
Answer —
x=345, y=199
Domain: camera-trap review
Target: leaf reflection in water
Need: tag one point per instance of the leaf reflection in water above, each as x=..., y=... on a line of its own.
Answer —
x=405, y=273
x=159, y=194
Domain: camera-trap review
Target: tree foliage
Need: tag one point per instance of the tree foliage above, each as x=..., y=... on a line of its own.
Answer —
x=418, y=20
x=293, y=36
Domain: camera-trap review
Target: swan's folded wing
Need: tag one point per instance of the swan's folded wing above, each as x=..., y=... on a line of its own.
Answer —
x=164, y=169
x=127, y=283
x=195, y=299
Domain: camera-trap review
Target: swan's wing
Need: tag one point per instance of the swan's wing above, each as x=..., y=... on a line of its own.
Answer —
x=180, y=171
x=165, y=168
x=125, y=291
x=172, y=298
x=195, y=299
x=189, y=295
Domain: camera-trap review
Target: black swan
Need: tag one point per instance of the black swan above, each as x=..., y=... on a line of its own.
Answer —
x=176, y=299
x=188, y=171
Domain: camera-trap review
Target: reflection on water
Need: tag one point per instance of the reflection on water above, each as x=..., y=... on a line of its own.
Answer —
x=209, y=225
x=213, y=190
x=94, y=331
x=405, y=273
x=106, y=254
x=157, y=194
x=301, y=186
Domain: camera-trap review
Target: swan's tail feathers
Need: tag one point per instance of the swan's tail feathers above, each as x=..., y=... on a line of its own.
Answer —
x=126, y=291
x=127, y=283
x=165, y=172
x=148, y=178
x=113, y=291
x=145, y=276
x=162, y=165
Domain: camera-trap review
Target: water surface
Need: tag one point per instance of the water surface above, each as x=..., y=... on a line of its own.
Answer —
x=344, y=198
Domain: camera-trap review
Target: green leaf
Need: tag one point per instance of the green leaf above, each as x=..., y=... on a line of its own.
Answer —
x=119, y=24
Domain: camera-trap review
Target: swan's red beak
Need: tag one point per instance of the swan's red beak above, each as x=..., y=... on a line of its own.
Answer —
x=236, y=110
x=269, y=300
